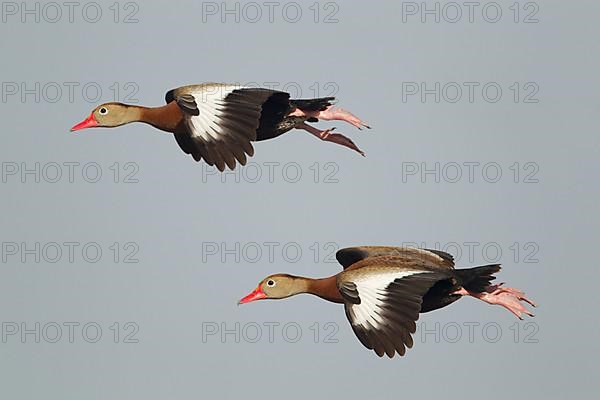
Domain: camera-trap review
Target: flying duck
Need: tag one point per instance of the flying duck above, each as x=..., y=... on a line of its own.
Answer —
x=217, y=122
x=383, y=290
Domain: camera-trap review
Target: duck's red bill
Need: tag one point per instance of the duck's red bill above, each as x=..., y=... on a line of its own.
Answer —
x=257, y=294
x=89, y=122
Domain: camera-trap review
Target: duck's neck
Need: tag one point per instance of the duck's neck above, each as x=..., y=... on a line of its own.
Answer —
x=166, y=118
x=325, y=288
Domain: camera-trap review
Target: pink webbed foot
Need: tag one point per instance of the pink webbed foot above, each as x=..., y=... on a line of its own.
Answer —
x=506, y=297
x=332, y=114
x=326, y=135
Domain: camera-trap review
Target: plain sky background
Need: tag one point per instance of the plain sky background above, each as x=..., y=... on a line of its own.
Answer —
x=179, y=211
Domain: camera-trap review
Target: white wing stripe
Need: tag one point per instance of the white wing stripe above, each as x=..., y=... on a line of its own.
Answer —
x=371, y=290
x=210, y=106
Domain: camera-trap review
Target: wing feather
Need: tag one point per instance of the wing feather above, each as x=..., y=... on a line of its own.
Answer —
x=383, y=305
x=220, y=121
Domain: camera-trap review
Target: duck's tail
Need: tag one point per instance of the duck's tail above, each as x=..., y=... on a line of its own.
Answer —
x=477, y=279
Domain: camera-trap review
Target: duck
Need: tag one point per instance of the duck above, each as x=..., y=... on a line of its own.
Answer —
x=385, y=288
x=217, y=122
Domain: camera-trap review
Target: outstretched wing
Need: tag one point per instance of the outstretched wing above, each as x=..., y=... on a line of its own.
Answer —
x=220, y=121
x=383, y=305
x=425, y=257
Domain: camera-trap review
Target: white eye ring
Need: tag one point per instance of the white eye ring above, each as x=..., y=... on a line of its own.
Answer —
x=270, y=283
x=103, y=111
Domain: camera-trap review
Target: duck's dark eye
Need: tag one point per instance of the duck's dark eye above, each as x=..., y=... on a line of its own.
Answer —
x=271, y=283
x=103, y=111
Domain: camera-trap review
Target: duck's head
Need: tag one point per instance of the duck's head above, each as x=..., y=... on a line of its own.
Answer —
x=107, y=115
x=278, y=286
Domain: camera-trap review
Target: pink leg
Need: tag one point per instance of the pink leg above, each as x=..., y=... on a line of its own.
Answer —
x=330, y=137
x=332, y=114
x=506, y=297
